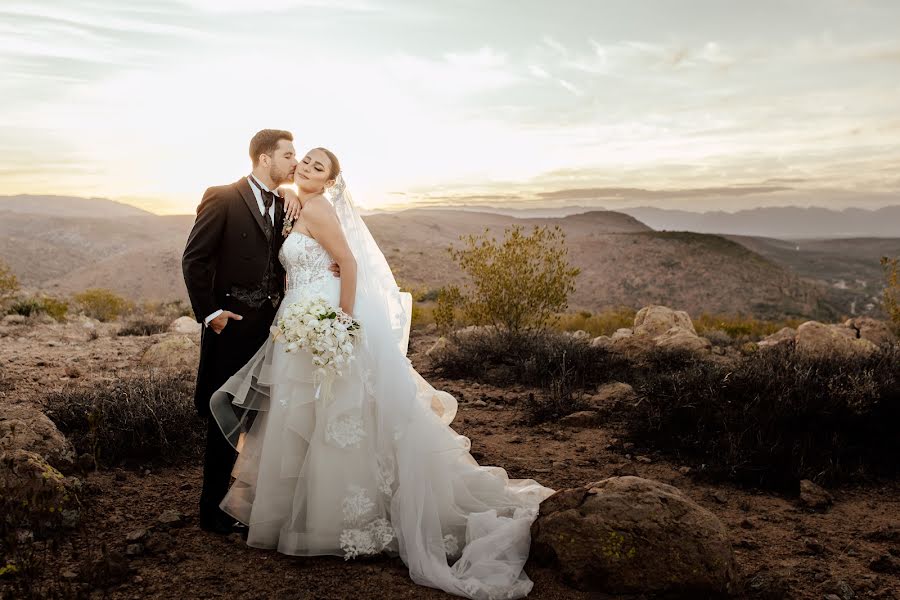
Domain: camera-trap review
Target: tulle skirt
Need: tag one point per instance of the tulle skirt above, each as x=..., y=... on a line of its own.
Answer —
x=322, y=470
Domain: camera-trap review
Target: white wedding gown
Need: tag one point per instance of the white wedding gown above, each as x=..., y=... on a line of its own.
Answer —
x=373, y=466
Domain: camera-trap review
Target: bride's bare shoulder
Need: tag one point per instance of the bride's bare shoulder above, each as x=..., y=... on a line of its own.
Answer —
x=318, y=207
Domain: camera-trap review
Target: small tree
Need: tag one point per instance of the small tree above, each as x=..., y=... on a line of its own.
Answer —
x=9, y=284
x=892, y=289
x=519, y=283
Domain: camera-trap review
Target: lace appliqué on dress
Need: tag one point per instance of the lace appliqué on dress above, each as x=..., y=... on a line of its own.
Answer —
x=451, y=545
x=345, y=431
x=385, y=475
x=362, y=538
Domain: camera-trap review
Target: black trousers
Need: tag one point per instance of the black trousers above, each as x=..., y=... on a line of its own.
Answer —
x=221, y=356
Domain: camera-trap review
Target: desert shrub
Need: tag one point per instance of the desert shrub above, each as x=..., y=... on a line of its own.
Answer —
x=9, y=283
x=26, y=307
x=37, y=305
x=168, y=311
x=717, y=337
x=142, y=417
x=501, y=357
x=102, y=304
x=519, y=283
x=741, y=328
x=775, y=417
x=891, y=294
x=561, y=394
x=446, y=310
x=144, y=324
x=54, y=307
x=602, y=323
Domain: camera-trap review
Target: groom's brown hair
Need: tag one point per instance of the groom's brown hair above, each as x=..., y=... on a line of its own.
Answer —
x=266, y=141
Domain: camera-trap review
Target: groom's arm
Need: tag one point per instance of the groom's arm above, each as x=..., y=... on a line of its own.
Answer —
x=199, y=260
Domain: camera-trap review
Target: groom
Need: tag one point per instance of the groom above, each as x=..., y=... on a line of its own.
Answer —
x=235, y=282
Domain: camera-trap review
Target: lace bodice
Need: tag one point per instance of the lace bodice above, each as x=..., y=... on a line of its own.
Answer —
x=305, y=261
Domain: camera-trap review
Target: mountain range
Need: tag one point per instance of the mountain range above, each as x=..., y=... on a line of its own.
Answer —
x=64, y=245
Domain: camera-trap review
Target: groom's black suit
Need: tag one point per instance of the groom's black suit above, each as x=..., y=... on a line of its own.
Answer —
x=230, y=262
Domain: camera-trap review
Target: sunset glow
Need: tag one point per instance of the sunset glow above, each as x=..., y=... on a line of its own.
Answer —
x=150, y=102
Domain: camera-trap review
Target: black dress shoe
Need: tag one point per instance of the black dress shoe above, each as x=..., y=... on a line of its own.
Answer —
x=221, y=524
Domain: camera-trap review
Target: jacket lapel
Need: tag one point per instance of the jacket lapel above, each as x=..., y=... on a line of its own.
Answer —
x=279, y=218
x=243, y=187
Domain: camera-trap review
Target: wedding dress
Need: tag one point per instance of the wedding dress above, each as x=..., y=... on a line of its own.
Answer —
x=369, y=463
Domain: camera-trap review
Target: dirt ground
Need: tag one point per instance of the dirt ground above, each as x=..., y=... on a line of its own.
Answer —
x=782, y=550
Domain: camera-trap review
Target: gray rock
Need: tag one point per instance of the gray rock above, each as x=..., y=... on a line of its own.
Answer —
x=654, y=320
x=174, y=352
x=818, y=339
x=814, y=497
x=185, y=325
x=23, y=427
x=876, y=331
x=677, y=338
x=611, y=393
x=583, y=418
x=170, y=518
x=782, y=336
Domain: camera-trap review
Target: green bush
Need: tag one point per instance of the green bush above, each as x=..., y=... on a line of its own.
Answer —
x=102, y=304
x=519, y=283
x=142, y=417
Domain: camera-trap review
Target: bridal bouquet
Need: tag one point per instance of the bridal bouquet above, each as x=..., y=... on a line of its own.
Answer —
x=326, y=331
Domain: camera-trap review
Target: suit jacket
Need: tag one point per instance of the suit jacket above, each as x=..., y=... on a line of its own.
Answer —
x=228, y=247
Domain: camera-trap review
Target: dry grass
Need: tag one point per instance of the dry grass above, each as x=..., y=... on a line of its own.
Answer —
x=144, y=417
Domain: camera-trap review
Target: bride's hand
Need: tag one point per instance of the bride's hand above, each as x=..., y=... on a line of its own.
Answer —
x=291, y=204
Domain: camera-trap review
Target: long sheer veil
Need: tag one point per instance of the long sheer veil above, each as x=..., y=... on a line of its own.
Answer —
x=443, y=498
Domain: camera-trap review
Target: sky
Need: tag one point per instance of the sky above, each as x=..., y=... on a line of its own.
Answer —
x=695, y=104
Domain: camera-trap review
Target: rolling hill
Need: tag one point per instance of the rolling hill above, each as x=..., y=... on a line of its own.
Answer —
x=623, y=261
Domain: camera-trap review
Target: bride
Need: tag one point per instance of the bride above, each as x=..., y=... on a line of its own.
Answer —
x=368, y=463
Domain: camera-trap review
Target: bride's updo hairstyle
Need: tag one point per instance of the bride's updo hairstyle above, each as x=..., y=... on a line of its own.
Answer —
x=335, y=164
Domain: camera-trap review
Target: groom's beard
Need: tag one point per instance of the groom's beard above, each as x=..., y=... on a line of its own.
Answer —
x=279, y=177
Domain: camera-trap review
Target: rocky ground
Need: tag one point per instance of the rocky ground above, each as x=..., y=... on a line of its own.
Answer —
x=782, y=549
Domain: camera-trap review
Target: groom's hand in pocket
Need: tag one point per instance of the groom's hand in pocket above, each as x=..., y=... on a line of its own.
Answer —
x=219, y=323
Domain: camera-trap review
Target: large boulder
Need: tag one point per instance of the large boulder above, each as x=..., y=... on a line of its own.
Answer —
x=654, y=320
x=782, y=336
x=819, y=339
x=185, y=325
x=36, y=496
x=678, y=338
x=628, y=535
x=867, y=328
x=23, y=427
x=174, y=352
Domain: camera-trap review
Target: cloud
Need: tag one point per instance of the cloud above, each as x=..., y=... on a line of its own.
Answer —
x=626, y=193
x=243, y=6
